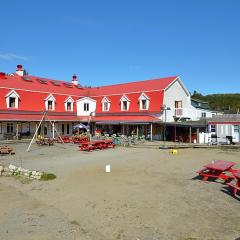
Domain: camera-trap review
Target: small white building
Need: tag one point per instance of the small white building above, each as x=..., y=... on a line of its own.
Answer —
x=225, y=128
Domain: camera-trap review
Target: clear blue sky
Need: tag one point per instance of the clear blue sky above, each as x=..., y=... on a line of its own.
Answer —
x=106, y=42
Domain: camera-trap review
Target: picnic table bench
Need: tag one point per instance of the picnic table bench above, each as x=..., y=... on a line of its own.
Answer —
x=235, y=184
x=6, y=150
x=218, y=169
x=45, y=141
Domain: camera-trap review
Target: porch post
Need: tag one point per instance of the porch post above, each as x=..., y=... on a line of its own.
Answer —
x=17, y=131
x=190, y=134
x=197, y=135
x=36, y=129
x=175, y=133
x=151, y=131
x=53, y=129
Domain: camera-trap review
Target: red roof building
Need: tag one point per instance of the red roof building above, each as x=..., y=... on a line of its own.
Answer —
x=147, y=104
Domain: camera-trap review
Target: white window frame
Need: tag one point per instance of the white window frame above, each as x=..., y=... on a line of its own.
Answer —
x=123, y=99
x=105, y=100
x=12, y=94
x=71, y=101
x=140, y=99
x=50, y=98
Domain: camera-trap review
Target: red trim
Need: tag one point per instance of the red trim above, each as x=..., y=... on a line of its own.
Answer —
x=213, y=123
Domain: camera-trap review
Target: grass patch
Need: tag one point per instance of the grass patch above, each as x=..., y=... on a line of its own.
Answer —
x=48, y=176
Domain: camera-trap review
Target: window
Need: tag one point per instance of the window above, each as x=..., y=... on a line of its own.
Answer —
x=10, y=128
x=63, y=130
x=105, y=104
x=86, y=106
x=204, y=115
x=69, y=104
x=178, y=108
x=50, y=103
x=236, y=128
x=45, y=130
x=125, y=103
x=12, y=102
x=12, y=99
x=144, y=102
x=213, y=128
x=68, y=128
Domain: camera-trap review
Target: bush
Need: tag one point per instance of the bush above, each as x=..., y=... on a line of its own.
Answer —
x=48, y=176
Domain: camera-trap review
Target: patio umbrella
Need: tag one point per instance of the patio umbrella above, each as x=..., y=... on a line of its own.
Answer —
x=80, y=126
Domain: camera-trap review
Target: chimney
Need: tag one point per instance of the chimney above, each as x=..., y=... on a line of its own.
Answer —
x=20, y=70
x=74, y=80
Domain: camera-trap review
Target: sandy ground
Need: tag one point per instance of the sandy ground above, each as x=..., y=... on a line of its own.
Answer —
x=150, y=194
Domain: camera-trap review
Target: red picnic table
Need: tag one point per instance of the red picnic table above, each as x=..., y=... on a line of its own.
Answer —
x=235, y=184
x=218, y=169
x=97, y=144
x=80, y=140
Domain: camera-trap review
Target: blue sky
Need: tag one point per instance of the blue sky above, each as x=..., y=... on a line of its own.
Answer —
x=107, y=42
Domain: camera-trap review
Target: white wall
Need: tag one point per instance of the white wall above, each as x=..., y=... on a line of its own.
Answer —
x=80, y=106
x=196, y=113
x=174, y=93
x=223, y=130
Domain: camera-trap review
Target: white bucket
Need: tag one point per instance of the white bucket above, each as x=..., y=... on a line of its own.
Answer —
x=108, y=168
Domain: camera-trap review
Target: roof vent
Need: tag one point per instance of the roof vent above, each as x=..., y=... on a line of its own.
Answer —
x=56, y=83
x=27, y=79
x=42, y=81
x=67, y=84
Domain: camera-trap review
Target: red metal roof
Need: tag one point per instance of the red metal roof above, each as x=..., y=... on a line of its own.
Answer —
x=33, y=91
x=131, y=87
x=47, y=85
x=34, y=84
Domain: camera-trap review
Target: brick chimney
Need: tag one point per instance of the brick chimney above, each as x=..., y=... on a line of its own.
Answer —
x=74, y=80
x=20, y=70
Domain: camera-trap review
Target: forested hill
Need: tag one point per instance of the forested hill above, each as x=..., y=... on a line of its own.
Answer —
x=229, y=103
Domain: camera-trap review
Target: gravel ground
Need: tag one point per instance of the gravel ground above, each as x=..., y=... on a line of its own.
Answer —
x=150, y=194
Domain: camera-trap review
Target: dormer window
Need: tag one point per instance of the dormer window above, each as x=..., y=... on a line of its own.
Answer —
x=50, y=103
x=144, y=102
x=105, y=104
x=12, y=99
x=125, y=103
x=69, y=104
x=86, y=107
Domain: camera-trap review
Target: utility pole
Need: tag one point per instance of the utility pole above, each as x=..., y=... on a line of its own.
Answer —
x=164, y=109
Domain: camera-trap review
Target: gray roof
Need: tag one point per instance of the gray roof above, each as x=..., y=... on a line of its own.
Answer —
x=225, y=118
